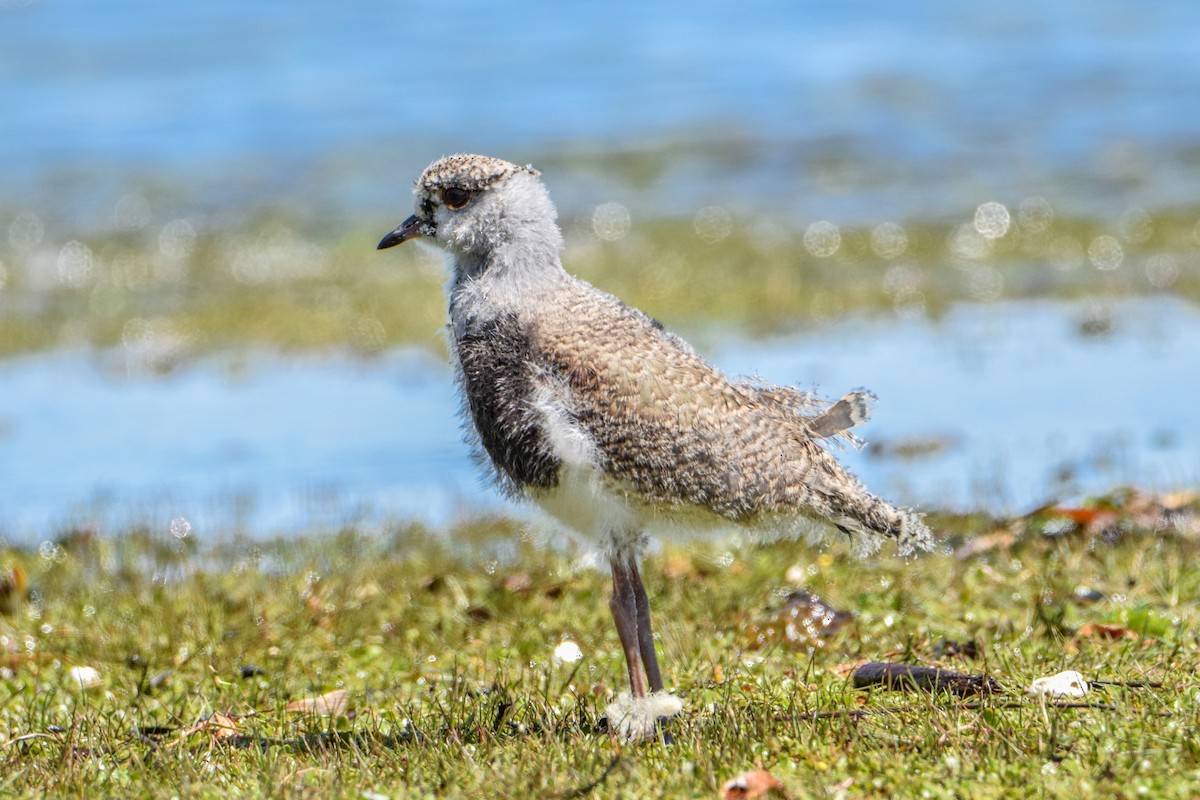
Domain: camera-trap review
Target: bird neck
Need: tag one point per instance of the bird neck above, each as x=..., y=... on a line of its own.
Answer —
x=529, y=256
x=510, y=277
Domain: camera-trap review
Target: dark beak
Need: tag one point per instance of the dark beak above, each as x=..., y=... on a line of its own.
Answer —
x=409, y=229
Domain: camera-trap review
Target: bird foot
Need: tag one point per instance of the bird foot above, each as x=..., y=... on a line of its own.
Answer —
x=633, y=718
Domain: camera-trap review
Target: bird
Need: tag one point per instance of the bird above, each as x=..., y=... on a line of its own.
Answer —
x=615, y=426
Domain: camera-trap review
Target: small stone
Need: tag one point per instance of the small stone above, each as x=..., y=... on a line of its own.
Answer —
x=1068, y=683
x=84, y=677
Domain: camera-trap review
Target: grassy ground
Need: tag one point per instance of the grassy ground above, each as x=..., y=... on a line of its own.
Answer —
x=174, y=289
x=394, y=665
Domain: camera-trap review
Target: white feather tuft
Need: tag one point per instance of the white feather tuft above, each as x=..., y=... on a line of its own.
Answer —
x=633, y=718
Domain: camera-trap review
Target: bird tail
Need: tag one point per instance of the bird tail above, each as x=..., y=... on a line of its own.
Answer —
x=870, y=521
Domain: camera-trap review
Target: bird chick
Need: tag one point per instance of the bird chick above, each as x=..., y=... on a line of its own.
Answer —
x=615, y=426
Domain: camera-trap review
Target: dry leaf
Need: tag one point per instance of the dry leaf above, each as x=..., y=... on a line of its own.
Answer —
x=330, y=704
x=679, y=567
x=846, y=669
x=1177, y=501
x=983, y=544
x=368, y=591
x=1087, y=517
x=216, y=726
x=754, y=784
x=804, y=621
x=14, y=587
x=1098, y=630
x=520, y=582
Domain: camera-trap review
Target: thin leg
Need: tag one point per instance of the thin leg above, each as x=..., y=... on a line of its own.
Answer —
x=644, y=629
x=625, y=614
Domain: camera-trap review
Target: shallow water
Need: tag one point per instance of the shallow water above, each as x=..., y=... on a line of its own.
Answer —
x=861, y=111
x=1014, y=403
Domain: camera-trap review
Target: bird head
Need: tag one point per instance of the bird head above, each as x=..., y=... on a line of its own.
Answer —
x=471, y=204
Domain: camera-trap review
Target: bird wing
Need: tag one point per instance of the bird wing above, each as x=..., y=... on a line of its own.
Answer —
x=666, y=422
x=678, y=434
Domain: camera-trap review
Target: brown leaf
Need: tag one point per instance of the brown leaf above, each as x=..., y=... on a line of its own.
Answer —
x=1084, y=516
x=330, y=704
x=432, y=583
x=804, y=621
x=520, y=582
x=1098, y=630
x=846, y=669
x=754, y=784
x=368, y=591
x=1177, y=501
x=14, y=587
x=216, y=726
x=982, y=544
x=479, y=613
x=679, y=567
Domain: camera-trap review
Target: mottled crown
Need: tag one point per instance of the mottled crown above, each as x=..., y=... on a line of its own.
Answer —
x=469, y=172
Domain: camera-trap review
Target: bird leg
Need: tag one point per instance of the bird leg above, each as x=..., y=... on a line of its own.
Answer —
x=631, y=611
x=645, y=631
x=624, y=607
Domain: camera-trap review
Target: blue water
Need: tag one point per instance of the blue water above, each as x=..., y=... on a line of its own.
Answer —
x=1029, y=411
x=852, y=110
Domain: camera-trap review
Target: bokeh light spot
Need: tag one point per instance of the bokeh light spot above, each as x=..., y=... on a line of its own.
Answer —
x=822, y=239
x=712, y=224
x=1035, y=214
x=610, y=222
x=966, y=242
x=177, y=239
x=276, y=255
x=132, y=212
x=76, y=265
x=1135, y=225
x=901, y=279
x=180, y=527
x=1065, y=254
x=154, y=344
x=25, y=232
x=1162, y=271
x=889, y=240
x=1105, y=252
x=992, y=220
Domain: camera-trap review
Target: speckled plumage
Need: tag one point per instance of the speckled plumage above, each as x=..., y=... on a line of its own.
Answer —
x=470, y=172
x=675, y=433
x=611, y=423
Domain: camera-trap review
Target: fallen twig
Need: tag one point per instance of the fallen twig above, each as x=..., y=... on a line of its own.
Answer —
x=858, y=713
x=905, y=677
x=1129, y=684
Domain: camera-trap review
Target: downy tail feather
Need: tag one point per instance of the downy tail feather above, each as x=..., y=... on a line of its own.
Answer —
x=871, y=521
x=837, y=420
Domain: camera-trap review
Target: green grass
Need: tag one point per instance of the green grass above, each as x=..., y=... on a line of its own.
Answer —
x=174, y=291
x=444, y=641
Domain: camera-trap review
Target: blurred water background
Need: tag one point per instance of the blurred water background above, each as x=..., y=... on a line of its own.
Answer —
x=990, y=214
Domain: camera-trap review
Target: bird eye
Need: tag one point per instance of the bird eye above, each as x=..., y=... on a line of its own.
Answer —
x=455, y=198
